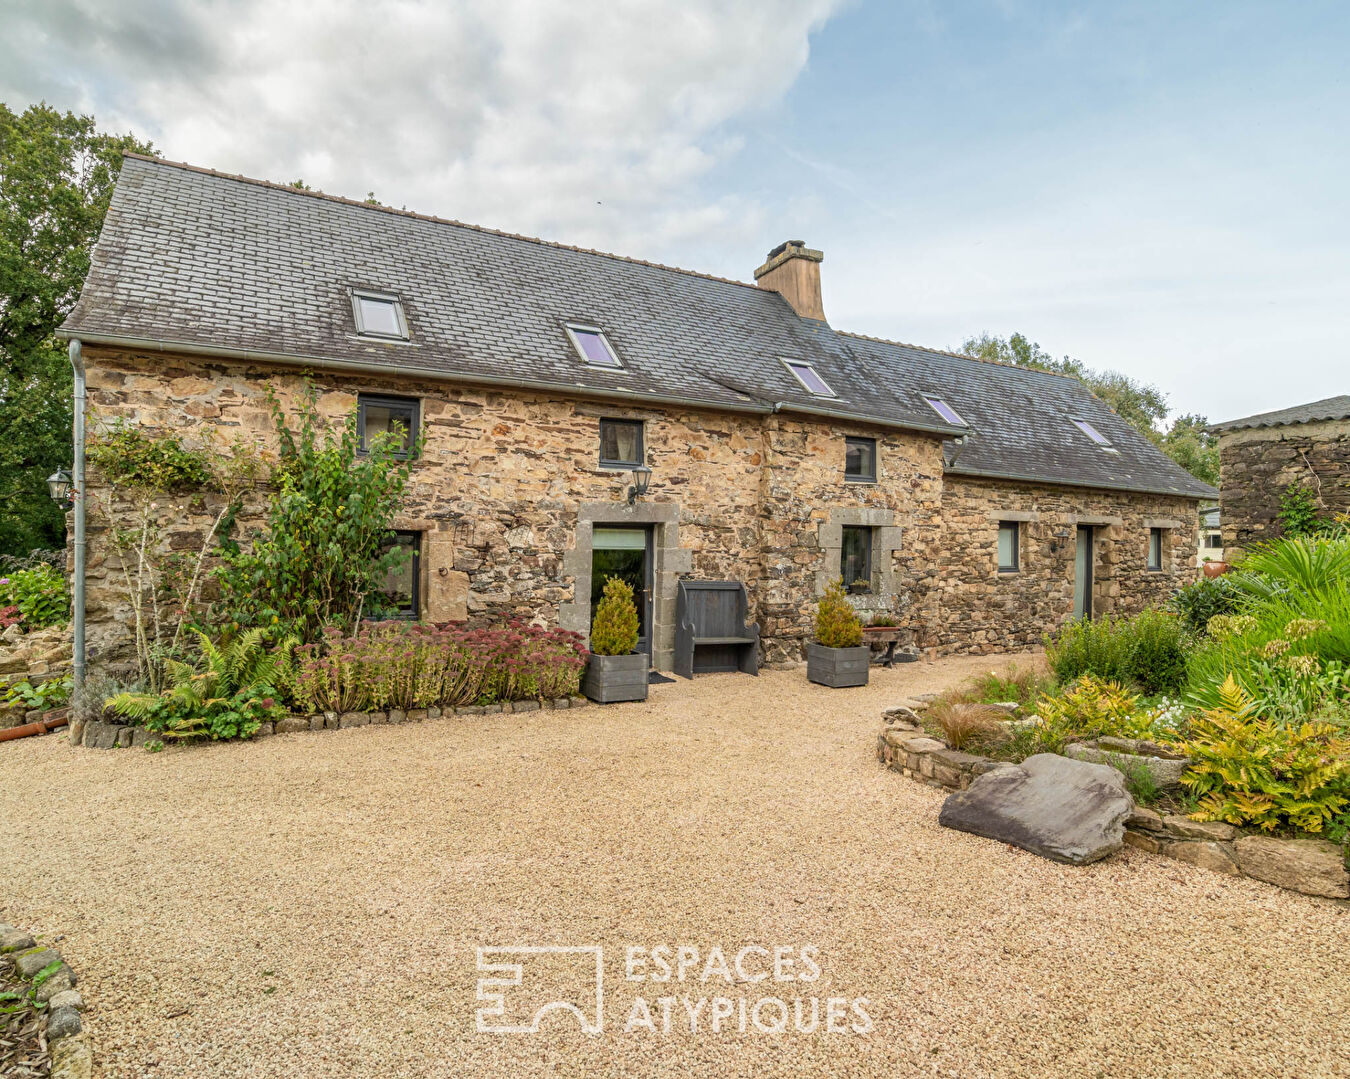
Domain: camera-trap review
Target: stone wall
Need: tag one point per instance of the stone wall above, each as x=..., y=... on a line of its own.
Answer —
x=1257, y=466
x=981, y=609
x=509, y=488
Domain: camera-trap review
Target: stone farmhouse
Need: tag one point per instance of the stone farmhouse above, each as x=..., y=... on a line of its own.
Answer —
x=980, y=504
x=1262, y=456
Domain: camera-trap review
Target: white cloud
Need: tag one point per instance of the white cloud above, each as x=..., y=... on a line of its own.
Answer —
x=591, y=121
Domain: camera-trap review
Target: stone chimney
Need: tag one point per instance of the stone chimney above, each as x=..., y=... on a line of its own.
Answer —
x=793, y=270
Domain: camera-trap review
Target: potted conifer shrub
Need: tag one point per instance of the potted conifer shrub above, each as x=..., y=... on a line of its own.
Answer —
x=616, y=672
x=837, y=657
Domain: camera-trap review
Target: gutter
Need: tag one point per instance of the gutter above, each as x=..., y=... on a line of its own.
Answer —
x=468, y=378
x=81, y=507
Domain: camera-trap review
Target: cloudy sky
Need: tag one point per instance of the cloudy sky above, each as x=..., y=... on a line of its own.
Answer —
x=1155, y=187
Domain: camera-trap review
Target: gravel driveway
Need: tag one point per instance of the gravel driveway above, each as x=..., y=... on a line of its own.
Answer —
x=310, y=905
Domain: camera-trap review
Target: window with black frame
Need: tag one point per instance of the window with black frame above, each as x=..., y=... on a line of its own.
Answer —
x=621, y=443
x=855, y=557
x=399, y=593
x=1155, y=548
x=860, y=460
x=376, y=416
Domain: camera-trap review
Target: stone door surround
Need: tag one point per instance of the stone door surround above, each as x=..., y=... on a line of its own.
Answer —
x=669, y=560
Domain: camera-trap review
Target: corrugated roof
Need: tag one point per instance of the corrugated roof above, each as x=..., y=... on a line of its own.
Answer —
x=196, y=260
x=1329, y=408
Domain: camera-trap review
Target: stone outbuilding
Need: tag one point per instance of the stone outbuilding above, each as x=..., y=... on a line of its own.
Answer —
x=1262, y=457
x=979, y=504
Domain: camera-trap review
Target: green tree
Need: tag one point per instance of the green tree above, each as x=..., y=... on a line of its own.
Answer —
x=56, y=177
x=1193, y=448
x=319, y=560
x=1142, y=405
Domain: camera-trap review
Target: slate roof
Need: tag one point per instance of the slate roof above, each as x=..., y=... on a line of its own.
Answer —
x=198, y=261
x=1329, y=408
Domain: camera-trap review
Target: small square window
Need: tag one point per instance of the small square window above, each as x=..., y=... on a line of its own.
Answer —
x=860, y=460
x=855, y=556
x=1009, y=547
x=621, y=443
x=399, y=594
x=379, y=315
x=810, y=378
x=376, y=416
x=1155, y=548
x=593, y=347
x=938, y=405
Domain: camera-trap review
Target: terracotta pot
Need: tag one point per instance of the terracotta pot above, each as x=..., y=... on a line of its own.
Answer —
x=1215, y=569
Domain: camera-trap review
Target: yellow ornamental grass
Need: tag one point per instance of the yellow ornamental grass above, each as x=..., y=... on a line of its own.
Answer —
x=1249, y=770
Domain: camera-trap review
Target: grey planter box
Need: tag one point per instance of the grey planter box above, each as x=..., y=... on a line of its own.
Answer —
x=616, y=678
x=837, y=667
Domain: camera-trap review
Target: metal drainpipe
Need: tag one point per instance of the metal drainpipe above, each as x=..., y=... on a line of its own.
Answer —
x=77, y=483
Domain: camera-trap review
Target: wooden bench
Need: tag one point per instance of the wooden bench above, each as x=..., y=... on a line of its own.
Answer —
x=710, y=631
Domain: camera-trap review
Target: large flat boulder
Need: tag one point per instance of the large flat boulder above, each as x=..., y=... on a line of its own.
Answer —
x=1066, y=810
x=1310, y=866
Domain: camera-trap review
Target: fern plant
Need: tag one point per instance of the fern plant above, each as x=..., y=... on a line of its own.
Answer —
x=837, y=624
x=1247, y=769
x=229, y=693
x=615, y=630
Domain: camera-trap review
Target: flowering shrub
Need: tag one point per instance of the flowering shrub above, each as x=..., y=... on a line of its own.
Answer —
x=402, y=665
x=37, y=595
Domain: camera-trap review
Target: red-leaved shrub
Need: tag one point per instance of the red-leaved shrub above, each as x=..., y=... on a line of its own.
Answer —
x=404, y=665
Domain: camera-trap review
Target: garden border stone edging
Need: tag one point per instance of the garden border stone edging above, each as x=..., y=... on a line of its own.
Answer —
x=103, y=734
x=1310, y=866
x=72, y=1054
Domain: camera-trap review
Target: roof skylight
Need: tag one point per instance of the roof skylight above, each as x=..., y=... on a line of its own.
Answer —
x=810, y=378
x=379, y=315
x=938, y=405
x=1092, y=433
x=593, y=347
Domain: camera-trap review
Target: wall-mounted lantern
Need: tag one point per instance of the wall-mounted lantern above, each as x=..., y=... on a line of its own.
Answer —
x=642, y=478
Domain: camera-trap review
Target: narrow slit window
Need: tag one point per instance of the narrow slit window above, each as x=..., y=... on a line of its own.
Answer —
x=621, y=443
x=379, y=315
x=860, y=460
x=1155, y=548
x=938, y=405
x=593, y=347
x=1009, y=549
x=376, y=416
x=810, y=378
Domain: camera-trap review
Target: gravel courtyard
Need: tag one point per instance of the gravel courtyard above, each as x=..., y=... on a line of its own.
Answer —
x=310, y=905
